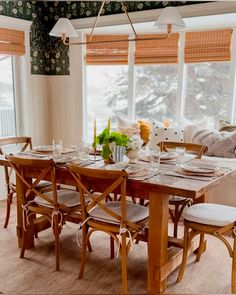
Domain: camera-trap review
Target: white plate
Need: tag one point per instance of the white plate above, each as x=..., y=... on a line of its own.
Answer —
x=129, y=168
x=198, y=168
x=168, y=156
x=49, y=149
x=43, y=149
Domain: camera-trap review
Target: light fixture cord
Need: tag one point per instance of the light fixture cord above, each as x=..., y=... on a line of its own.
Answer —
x=96, y=21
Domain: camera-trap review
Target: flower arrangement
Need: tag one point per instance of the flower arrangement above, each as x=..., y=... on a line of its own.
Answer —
x=108, y=138
x=135, y=143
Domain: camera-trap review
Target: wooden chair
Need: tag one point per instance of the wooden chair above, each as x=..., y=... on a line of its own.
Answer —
x=121, y=220
x=178, y=202
x=56, y=205
x=211, y=219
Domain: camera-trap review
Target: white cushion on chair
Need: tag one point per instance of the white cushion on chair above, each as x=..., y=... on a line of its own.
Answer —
x=68, y=198
x=210, y=214
x=43, y=183
x=134, y=212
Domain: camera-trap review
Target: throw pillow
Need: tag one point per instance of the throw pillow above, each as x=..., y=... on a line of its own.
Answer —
x=126, y=126
x=144, y=130
x=159, y=133
x=226, y=126
x=220, y=144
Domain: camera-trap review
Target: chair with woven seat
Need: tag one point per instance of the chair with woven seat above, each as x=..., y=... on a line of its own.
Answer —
x=178, y=202
x=119, y=219
x=16, y=144
x=211, y=219
x=56, y=206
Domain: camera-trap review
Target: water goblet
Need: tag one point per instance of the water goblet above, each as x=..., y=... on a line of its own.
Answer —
x=155, y=159
x=57, y=147
x=180, y=155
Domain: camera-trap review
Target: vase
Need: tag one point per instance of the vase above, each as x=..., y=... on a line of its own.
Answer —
x=118, y=153
x=133, y=156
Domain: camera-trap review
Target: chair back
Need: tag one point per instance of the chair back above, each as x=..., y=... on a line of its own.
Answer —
x=22, y=143
x=197, y=149
x=115, y=182
x=19, y=144
x=43, y=169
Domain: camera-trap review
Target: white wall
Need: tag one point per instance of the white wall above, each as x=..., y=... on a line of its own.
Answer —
x=66, y=101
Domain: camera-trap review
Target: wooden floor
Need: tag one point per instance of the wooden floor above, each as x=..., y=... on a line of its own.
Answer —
x=35, y=274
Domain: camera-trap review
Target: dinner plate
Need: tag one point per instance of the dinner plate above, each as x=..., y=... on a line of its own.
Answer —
x=168, y=155
x=49, y=149
x=43, y=149
x=129, y=168
x=164, y=156
x=199, y=167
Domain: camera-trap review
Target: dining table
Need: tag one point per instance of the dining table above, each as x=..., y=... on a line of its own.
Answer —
x=164, y=253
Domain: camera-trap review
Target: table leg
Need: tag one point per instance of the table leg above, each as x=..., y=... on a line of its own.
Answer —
x=158, y=242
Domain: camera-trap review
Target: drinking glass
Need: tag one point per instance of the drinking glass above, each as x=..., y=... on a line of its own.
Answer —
x=57, y=147
x=180, y=155
x=155, y=159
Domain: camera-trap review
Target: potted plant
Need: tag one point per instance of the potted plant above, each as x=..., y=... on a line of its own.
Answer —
x=111, y=140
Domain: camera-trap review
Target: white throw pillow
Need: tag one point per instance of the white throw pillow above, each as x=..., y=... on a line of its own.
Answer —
x=159, y=133
x=126, y=126
x=220, y=144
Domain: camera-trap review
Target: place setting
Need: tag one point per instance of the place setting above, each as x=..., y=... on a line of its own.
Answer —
x=198, y=169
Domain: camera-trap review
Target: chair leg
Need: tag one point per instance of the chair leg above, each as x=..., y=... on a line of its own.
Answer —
x=200, y=248
x=124, y=264
x=233, y=274
x=9, y=202
x=85, y=237
x=112, y=250
x=89, y=246
x=185, y=254
x=176, y=221
x=22, y=252
x=57, y=241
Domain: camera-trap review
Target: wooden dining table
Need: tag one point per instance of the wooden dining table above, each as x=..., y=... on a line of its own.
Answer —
x=162, y=259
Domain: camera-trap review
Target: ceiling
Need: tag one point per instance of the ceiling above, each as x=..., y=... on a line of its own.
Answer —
x=192, y=24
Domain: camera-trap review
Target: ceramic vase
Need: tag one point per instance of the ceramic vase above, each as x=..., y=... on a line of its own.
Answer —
x=133, y=156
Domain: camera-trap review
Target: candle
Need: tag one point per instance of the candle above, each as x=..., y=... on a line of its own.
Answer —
x=109, y=124
x=94, y=134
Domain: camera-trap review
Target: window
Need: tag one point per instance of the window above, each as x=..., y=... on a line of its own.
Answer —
x=7, y=105
x=156, y=92
x=207, y=97
x=158, y=82
x=107, y=95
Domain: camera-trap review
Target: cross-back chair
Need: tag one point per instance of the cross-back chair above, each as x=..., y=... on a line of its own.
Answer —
x=56, y=205
x=121, y=220
x=211, y=219
x=19, y=144
x=178, y=202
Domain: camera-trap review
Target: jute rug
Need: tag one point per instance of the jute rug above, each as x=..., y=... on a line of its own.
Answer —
x=35, y=273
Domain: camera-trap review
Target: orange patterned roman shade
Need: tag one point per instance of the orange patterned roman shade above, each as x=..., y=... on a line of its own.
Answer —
x=159, y=51
x=12, y=42
x=110, y=53
x=207, y=46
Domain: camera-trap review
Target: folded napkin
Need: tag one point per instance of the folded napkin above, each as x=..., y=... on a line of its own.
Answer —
x=137, y=173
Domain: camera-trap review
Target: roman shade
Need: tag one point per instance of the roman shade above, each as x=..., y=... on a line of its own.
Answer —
x=110, y=53
x=159, y=51
x=12, y=42
x=207, y=46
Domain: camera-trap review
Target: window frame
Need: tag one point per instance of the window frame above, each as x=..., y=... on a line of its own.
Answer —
x=181, y=83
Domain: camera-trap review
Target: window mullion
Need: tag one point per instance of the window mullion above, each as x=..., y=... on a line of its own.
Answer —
x=232, y=80
x=181, y=81
x=131, y=81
